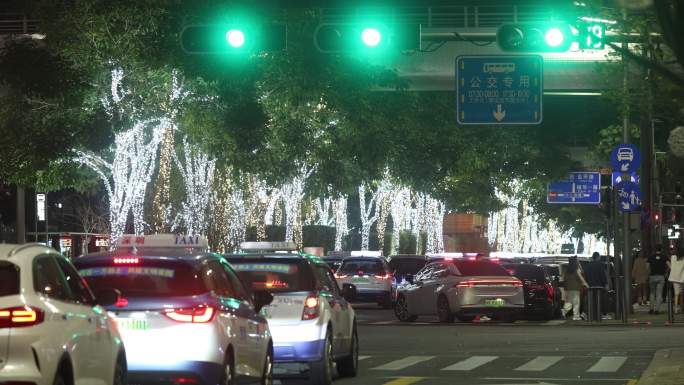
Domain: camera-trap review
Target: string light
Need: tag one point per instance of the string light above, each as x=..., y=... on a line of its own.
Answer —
x=161, y=203
x=292, y=194
x=369, y=213
x=341, y=227
x=197, y=172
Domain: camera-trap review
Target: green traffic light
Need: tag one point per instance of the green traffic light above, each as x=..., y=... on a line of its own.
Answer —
x=235, y=38
x=371, y=37
x=554, y=37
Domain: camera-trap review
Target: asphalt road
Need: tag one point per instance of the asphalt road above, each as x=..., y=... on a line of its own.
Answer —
x=527, y=352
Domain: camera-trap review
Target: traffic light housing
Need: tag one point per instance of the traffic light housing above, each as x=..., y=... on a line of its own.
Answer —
x=369, y=37
x=535, y=37
x=233, y=38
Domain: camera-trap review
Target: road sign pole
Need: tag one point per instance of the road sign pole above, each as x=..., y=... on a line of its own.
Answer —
x=626, y=248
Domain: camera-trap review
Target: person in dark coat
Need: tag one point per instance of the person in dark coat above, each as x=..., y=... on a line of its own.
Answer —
x=596, y=275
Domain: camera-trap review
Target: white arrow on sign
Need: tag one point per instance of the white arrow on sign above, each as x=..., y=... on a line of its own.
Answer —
x=624, y=167
x=499, y=114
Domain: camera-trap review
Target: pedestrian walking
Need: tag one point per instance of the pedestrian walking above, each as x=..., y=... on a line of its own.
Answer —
x=676, y=275
x=573, y=282
x=640, y=273
x=656, y=280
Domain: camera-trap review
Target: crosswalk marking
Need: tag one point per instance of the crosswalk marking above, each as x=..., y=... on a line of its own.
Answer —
x=608, y=364
x=404, y=381
x=403, y=363
x=471, y=363
x=539, y=364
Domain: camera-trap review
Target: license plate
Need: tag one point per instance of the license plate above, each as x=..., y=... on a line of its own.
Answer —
x=360, y=280
x=132, y=324
x=498, y=302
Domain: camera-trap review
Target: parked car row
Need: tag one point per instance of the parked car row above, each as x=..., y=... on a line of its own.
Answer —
x=165, y=310
x=412, y=279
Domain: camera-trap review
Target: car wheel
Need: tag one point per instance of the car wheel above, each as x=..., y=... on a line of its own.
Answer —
x=401, y=310
x=321, y=373
x=349, y=366
x=267, y=375
x=120, y=371
x=443, y=310
x=465, y=318
x=228, y=371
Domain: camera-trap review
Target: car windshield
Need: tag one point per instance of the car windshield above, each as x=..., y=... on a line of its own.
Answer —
x=362, y=266
x=406, y=266
x=480, y=268
x=9, y=279
x=147, y=278
x=526, y=272
x=274, y=274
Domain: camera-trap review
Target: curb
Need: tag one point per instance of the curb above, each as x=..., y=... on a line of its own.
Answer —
x=666, y=368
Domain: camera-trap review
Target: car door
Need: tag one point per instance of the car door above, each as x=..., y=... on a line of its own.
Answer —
x=233, y=315
x=257, y=325
x=101, y=358
x=72, y=329
x=418, y=293
x=431, y=285
x=341, y=315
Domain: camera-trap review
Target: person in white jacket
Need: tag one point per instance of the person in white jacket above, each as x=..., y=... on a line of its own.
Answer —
x=676, y=276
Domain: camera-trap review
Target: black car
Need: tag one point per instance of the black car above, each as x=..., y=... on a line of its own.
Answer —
x=404, y=267
x=333, y=261
x=542, y=297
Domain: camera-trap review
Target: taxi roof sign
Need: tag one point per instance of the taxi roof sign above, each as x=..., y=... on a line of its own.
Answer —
x=268, y=246
x=366, y=253
x=162, y=240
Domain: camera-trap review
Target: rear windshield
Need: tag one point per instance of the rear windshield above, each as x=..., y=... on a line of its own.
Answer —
x=526, y=272
x=406, y=266
x=146, y=279
x=480, y=268
x=362, y=266
x=9, y=279
x=274, y=274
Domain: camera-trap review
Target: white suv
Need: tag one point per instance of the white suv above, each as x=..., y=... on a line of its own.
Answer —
x=51, y=330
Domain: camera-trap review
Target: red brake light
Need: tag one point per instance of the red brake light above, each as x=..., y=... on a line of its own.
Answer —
x=311, y=308
x=339, y=276
x=472, y=258
x=121, y=302
x=383, y=276
x=126, y=261
x=197, y=315
x=20, y=316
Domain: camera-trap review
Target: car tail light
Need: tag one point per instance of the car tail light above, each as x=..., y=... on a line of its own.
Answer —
x=126, y=261
x=198, y=315
x=311, y=308
x=474, y=283
x=20, y=316
x=340, y=276
x=383, y=276
x=184, y=380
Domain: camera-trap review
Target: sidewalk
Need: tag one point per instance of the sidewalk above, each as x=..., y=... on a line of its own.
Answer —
x=640, y=317
x=666, y=368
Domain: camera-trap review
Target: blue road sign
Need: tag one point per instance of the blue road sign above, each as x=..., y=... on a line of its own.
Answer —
x=629, y=196
x=499, y=89
x=577, y=188
x=625, y=158
x=617, y=177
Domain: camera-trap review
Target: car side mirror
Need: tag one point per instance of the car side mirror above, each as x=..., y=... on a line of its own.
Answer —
x=348, y=292
x=107, y=296
x=262, y=298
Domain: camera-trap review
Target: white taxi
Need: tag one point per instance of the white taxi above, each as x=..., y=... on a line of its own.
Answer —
x=184, y=316
x=52, y=331
x=313, y=325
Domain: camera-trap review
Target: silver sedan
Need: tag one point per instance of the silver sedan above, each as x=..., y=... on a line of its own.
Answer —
x=460, y=289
